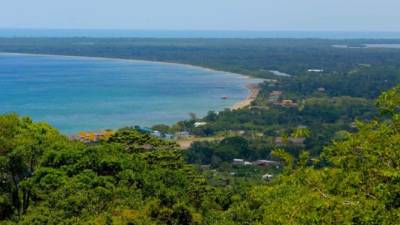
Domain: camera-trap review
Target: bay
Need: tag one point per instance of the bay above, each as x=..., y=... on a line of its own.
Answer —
x=79, y=94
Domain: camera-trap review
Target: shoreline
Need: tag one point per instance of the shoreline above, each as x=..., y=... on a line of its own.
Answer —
x=131, y=61
x=253, y=88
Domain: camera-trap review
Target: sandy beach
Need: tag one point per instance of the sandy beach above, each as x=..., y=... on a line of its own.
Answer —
x=254, y=90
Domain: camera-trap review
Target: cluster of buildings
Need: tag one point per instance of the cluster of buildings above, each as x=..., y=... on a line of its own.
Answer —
x=88, y=137
x=92, y=136
x=168, y=136
x=261, y=163
x=275, y=98
x=155, y=133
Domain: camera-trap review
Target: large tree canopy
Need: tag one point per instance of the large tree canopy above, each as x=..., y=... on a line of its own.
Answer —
x=47, y=179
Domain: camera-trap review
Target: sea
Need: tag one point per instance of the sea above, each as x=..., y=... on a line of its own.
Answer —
x=121, y=33
x=92, y=94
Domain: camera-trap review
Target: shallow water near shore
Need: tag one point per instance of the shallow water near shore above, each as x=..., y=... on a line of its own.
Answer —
x=75, y=93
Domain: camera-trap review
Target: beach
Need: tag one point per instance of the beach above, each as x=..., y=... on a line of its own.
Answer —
x=254, y=90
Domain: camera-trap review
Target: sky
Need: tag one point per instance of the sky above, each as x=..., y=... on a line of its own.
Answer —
x=263, y=15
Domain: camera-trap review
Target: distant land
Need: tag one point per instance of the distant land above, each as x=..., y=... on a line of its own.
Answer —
x=113, y=33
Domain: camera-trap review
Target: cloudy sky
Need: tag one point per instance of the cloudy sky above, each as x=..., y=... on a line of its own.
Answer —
x=309, y=15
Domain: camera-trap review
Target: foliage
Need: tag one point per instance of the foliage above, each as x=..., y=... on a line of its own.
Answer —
x=360, y=185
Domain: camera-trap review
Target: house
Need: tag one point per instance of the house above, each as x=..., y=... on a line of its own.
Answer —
x=182, y=135
x=168, y=136
x=247, y=163
x=199, y=124
x=265, y=163
x=288, y=103
x=315, y=70
x=241, y=162
x=274, y=96
x=267, y=176
x=238, y=161
x=156, y=133
x=144, y=129
x=88, y=137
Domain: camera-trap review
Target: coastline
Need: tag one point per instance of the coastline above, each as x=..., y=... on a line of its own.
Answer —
x=253, y=88
x=129, y=61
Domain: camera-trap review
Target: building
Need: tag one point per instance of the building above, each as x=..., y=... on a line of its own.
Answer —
x=266, y=163
x=144, y=129
x=182, y=135
x=199, y=124
x=168, y=136
x=315, y=70
x=238, y=161
x=274, y=96
x=241, y=162
x=156, y=133
x=247, y=163
x=288, y=103
x=88, y=137
x=267, y=176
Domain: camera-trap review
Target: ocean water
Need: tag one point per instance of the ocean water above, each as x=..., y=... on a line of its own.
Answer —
x=75, y=94
x=114, y=33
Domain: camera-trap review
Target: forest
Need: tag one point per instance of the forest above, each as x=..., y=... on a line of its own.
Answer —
x=254, y=57
x=47, y=179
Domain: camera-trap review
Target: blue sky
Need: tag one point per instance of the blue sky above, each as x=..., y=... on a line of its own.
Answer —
x=311, y=15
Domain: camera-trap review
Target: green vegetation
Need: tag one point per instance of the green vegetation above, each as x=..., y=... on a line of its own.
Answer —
x=47, y=179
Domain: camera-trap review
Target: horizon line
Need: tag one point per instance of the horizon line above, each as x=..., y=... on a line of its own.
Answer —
x=197, y=30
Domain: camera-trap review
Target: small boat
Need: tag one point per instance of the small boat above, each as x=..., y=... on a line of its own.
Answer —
x=224, y=97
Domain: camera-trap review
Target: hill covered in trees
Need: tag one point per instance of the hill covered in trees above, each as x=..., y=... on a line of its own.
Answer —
x=47, y=179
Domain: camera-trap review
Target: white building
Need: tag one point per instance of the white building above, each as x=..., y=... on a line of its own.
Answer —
x=267, y=176
x=199, y=124
x=315, y=70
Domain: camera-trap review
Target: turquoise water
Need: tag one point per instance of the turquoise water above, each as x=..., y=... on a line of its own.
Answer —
x=75, y=94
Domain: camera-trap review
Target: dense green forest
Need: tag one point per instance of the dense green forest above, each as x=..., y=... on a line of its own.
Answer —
x=335, y=140
x=246, y=56
x=47, y=179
